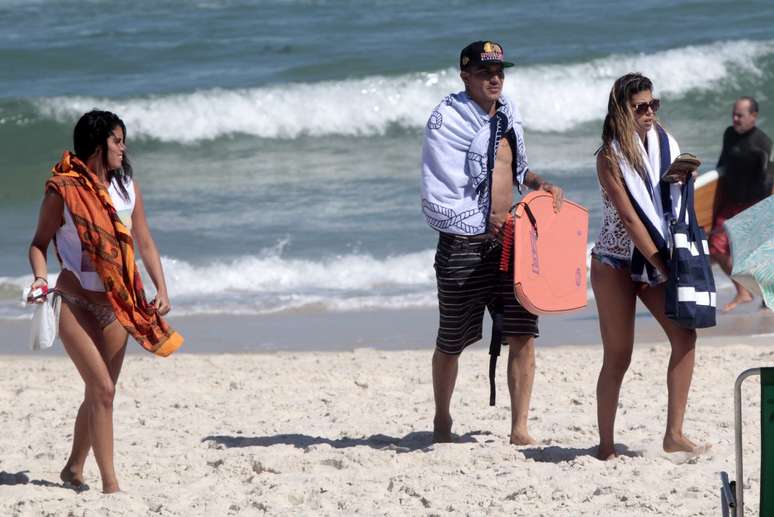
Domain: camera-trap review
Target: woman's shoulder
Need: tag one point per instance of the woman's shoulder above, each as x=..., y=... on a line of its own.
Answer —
x=604, y=162
x=608, y=172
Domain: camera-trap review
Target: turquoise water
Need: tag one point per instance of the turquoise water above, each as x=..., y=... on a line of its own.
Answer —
x=277, y=142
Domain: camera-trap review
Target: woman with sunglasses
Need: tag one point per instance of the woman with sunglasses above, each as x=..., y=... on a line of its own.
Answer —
x=627, y=165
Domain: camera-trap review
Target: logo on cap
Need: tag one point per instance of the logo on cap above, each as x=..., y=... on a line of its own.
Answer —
x=492, y=52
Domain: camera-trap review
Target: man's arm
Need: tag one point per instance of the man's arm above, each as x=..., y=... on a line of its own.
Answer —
x=722, y=158
x=767, y=163
x=719, y=201
x=535, y=182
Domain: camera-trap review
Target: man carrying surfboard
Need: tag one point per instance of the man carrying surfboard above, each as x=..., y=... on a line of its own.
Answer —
x=473, y=155
x=746, y=176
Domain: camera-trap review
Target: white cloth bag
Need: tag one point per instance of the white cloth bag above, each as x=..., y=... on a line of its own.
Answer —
x=45, y=323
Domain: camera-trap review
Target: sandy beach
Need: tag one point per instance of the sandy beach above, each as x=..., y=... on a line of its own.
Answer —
x=324, y=433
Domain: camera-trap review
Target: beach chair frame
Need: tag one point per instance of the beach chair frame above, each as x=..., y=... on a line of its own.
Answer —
x=732, y=492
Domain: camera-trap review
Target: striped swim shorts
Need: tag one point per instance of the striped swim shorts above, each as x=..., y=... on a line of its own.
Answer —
x=467, y=271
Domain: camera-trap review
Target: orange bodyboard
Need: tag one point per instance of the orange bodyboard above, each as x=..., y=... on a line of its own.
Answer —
x=549, y=272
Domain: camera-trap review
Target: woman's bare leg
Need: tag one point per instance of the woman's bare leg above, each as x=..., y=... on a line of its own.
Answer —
x=679, y=372
x=616, y=302
x=95, y=353
x=73, y=469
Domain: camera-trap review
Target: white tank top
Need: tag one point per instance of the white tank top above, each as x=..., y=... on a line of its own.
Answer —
x=68, y=243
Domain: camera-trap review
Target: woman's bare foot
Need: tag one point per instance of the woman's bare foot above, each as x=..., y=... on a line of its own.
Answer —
x=606, y=453
x=442, y=430
x=72, y=476
x=519, y=437
x=110, y=488
x=683, y=444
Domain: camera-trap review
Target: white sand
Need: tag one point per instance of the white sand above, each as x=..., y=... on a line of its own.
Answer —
x=344, y=433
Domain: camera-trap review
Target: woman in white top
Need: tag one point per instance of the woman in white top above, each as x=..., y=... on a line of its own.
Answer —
x=629, y=123
x=92, y=337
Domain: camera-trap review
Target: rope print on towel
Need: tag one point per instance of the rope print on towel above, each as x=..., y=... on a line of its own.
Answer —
x=461, y=142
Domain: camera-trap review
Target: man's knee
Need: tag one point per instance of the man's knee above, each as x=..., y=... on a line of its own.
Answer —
x=519, y=345
x=521, y=352
x=442, y=359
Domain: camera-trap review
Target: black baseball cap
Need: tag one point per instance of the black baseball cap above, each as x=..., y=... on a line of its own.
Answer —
x=482, y=53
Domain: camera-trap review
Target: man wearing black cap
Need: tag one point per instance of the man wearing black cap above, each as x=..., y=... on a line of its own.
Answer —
x=473, y=155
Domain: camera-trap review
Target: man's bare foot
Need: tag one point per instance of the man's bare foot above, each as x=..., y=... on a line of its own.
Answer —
x=606, y=453
x=521, y=438
x=683, y=444
x=739, y=299
x=71, y=477
x=442, y=430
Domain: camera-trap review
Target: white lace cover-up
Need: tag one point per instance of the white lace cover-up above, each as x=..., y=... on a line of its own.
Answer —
x=613, y=240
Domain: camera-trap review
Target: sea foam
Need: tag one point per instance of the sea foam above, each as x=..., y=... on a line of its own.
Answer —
x=552, y=97
x=274, y=273
x=268, y=283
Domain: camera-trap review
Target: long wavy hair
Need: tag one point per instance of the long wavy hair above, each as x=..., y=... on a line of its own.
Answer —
x=91, y=132
x=619, y=122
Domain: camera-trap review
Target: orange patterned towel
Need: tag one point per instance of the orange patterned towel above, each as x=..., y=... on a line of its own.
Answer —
x=110, y=247
x=507, y=232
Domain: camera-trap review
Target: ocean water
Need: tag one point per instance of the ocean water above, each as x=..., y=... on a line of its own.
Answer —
x=277, y=142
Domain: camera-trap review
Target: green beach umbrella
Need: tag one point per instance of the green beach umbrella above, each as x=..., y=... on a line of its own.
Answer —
x=752, y=248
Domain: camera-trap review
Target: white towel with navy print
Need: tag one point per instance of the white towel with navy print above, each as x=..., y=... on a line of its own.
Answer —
x=646, y=195
x=461, y=141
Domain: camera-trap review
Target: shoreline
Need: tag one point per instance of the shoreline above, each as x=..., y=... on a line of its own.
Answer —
x=395, y=329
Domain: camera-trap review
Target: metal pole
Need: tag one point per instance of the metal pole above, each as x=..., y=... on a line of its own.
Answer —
x=738, y=437
x=727, y=499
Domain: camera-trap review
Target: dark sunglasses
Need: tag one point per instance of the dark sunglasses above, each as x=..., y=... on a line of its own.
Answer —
x=642, y=108
x=486, y=73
